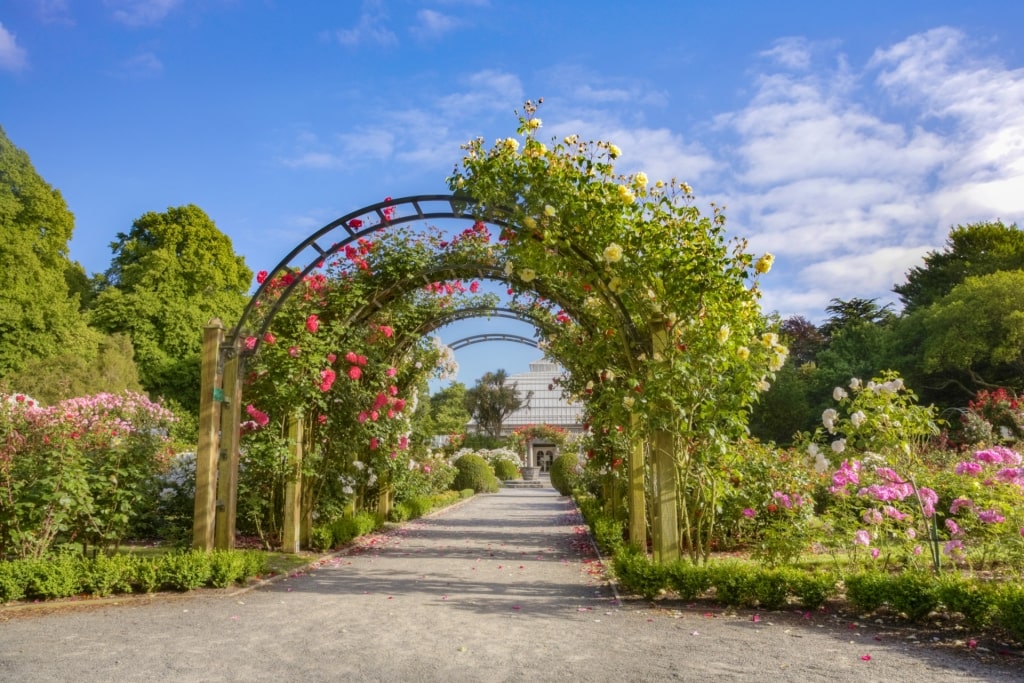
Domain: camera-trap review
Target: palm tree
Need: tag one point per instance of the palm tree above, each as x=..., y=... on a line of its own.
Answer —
x=491, y=400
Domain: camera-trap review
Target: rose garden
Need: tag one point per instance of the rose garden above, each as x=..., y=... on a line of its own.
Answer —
x=308, y=422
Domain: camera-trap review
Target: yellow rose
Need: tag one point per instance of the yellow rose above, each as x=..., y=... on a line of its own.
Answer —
x=723, y=334
x=510, y=144
x=527, y=274
x=614, y=151
x=613, y=253
x=530, y=222
x=743, y=352
x=615, y=284
x=764, y=264
x=625, y=194
x=533, y=124
x=549, y=210
x=641, y=179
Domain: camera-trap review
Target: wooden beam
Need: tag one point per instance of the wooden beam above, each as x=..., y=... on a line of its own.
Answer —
x=291, y=536
x=210, y=393
x=227, y=470
x=637, y=502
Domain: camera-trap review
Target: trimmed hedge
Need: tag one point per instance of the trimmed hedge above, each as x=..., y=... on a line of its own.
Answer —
x=64, y=576
x=475, y=473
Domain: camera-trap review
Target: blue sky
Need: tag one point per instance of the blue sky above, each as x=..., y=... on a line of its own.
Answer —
x=845, y=138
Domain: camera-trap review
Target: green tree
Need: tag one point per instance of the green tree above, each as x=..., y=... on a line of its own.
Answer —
x=491, y=400
x=973, y=249
x=448, y=409
x=39, y=317
x=169, y=276
x=973, y=337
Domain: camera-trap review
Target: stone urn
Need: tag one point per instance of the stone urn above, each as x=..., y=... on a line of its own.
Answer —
x=530, y=473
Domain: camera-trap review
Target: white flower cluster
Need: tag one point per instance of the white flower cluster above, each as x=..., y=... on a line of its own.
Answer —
x=446, y=367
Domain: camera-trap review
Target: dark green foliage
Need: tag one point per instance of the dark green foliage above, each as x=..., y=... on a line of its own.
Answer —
x=466, y=493
x=146, y=575
x=813, y=589
x=867, y=591
x=491, y=400
x=977, y=602
x=346, y=529
x=735, y=584
x=475, y=473
x=13, y=580
x=608, y=533
x=1011, y=610
x=55, y=577
x=689, y=581
x=637, y=574
x=39, y=316
x=226, y=568
x=108, y=574
x=400, y=512
x=184, y=571
x=169, y=275
x=563, y=473
x=420, y=505
x=771, y=586
x=913, y=594
x=506, y=470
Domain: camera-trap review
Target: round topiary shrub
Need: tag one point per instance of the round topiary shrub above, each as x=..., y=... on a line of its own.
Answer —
x=563, y=473
x=474, y=473
x=506, y=470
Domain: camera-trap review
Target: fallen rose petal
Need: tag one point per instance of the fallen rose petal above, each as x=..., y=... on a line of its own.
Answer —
x=866, y=658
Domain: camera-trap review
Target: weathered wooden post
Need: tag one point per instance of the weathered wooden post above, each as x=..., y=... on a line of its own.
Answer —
x=291, y=537
x=665, y=531
x=230, y=426
x=637, y=502
x=207, y=447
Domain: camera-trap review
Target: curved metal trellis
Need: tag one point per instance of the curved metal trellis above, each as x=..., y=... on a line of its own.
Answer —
x=218, y=448
x=498, y=337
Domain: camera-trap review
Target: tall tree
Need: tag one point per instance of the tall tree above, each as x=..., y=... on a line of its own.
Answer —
x=448, y=409
x=802, y=338
x=169, y=276
x=491, y=400
x=38, y=315
x=973, y=249
x=846, y=312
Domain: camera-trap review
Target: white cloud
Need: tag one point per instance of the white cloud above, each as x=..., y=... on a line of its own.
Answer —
x=370, y=29
x=851, y=175
x=433, y=24
x=136, y=13
x=12, y=56
x=314, y=160
x=486, y=90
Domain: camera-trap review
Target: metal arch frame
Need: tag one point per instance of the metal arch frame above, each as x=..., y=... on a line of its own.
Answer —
x=498, y=337
x=224, y=363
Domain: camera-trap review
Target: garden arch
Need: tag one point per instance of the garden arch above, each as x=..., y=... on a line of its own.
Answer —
x=225, y=355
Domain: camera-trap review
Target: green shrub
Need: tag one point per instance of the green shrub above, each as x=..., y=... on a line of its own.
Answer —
x=146, y=575
x=637, y=574
x=322, y=538
x=813, y=589
x=976, y=601
x=735, y=584
x=108, y=574
x=867, y=591
x=184, y=571
x=54, y=577
x=400, y=512
x=255, y=563
x=688, y=580
x=226, y=567
x=420, y=505
x=474, y=473
x=770, y=586
x=466, y=493
x=914, y=594
x=1011, y=610
x=563, y=473
x=12, y=580
x=446, y=498
x=608, y=534
x=506, y=470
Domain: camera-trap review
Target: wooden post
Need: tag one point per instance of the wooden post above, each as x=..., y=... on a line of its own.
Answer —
x=665, y=532
x=637, y=502
x=291, y=537
x=227, y=469
x=205, y=511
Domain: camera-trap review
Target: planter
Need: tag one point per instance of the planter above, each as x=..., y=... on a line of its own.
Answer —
x=530, y=473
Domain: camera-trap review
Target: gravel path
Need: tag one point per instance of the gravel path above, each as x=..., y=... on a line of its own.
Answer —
x=504, y=587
